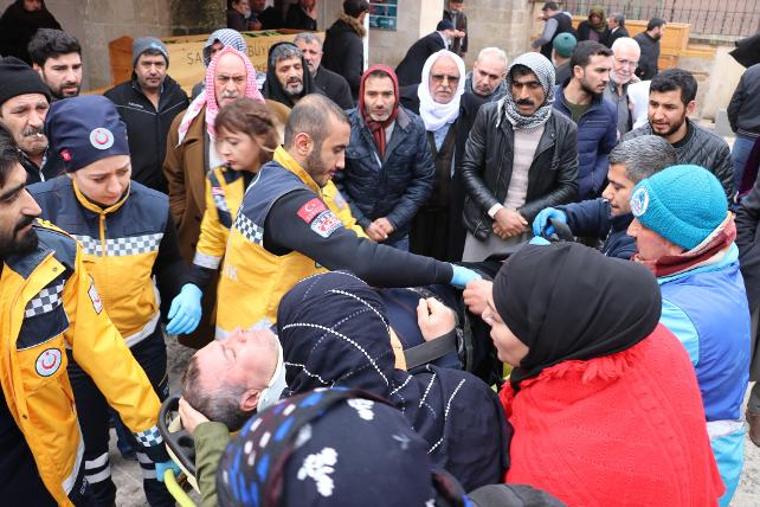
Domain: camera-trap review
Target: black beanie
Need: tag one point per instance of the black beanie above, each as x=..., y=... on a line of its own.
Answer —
x=18, y=78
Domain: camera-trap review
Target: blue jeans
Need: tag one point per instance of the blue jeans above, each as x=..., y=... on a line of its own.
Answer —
x=742, y=149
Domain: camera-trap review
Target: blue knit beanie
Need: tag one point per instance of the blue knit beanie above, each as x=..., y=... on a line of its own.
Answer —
x=683, y=203
x=85, y=129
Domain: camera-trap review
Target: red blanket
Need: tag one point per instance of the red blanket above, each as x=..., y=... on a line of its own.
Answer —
x=624, y=429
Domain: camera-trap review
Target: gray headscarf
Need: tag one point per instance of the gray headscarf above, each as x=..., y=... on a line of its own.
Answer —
x=544, y=71
x=228, y=37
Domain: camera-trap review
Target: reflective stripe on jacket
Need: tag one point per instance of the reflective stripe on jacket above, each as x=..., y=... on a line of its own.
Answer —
x=49, y=304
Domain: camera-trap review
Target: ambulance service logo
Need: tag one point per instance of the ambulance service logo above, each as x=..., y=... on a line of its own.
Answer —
x=48, y=362
x=101, y=138
x=639, y=202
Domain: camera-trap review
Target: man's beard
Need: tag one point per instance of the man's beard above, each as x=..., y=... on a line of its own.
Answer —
x=33, y=141
x=294, y=92
x=586, y=88
x=58, y=94
x=314, y=164
x=672, y=130
x=22, y=245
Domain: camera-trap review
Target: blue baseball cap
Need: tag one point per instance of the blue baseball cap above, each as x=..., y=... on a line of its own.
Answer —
x=85, y=129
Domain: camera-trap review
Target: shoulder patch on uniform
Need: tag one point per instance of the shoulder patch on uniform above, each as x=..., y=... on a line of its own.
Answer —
x=326, y=223
x=97, y=303
x=48, y=362
x=309, y=211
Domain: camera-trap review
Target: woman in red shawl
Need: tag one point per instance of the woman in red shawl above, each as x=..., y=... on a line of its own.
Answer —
x=603, y=400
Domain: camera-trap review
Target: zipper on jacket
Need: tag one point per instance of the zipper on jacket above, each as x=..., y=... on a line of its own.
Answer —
x=102, y=232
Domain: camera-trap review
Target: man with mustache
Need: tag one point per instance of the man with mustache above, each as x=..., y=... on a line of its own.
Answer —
x=288, y=78
x=582, y=100
x=53, y=314
x=607, y=218
x=332, y=84
x=521, y=156
x=57, y=57
x=24, y=104
x=190, y=153
x=148, y=103
x=672, y=95
x=389, y=169
x=626, y=53
x=439, y=96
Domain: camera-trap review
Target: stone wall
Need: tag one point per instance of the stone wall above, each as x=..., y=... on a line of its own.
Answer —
x=97, y=22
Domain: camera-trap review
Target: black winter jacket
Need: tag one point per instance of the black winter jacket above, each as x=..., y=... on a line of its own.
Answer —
x=397, y=188
x=147, y=127
x=344, y=52
x=487, y=167
x=748, y=241
x=335, y=87
x=409, y=71
x=592, y=218
x=650, y=53
x=744, y=108
x=702, y=148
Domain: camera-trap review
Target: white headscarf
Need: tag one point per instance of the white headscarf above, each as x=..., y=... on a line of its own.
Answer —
x=434, y=114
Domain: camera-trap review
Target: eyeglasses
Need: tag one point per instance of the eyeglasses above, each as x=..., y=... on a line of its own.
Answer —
x=440, y=78
x=627, y=63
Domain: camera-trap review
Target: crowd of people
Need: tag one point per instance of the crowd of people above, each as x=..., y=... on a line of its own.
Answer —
x=423, y=285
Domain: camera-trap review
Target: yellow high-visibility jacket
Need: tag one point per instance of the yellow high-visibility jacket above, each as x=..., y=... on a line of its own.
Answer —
x=252, y=276
x=120, y=246
x=49, y=304
x=224, y=194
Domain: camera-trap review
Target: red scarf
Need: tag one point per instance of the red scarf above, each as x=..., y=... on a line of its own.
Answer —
x=378, y=127
x=718, y=241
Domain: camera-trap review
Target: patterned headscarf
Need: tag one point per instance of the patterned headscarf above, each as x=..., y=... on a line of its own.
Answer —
x=434, y=114
x=207, y=97
x=544, y=71
x=334, y=332
x=228, y=37
x=330, y=447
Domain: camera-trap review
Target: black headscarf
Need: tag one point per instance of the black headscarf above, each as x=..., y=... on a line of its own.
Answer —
x=273, y=89
x=331, y=447
x=18, y=26
x=334, y=332
x=567, y=301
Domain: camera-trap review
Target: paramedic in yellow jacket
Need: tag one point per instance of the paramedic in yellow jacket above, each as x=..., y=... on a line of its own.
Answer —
x=128, y=238
x=245, y=137
x=51, y=312
x=284, y=231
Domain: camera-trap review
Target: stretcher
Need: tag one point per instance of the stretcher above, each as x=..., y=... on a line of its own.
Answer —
x=181, y=448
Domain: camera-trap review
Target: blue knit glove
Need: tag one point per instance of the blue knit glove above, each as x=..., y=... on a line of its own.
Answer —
x=185, y=311
x=542, y=221
x=162, y=468
x=462, y=276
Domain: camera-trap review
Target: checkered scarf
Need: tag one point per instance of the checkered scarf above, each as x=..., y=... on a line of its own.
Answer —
x=207, y=97
x=544, y=71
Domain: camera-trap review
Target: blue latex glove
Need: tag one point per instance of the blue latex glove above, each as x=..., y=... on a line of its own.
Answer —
x=162, y=468
x=462, y=276
x=185, y=311
x=541, y=226
x=539, y=240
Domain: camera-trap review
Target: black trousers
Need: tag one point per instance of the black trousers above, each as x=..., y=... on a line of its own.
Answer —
x=93, y=411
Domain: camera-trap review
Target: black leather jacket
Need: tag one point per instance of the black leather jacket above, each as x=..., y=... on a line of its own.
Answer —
x=703, y=148
x=487, y=167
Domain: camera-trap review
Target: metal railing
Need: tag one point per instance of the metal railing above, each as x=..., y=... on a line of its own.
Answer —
x=733, y=18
